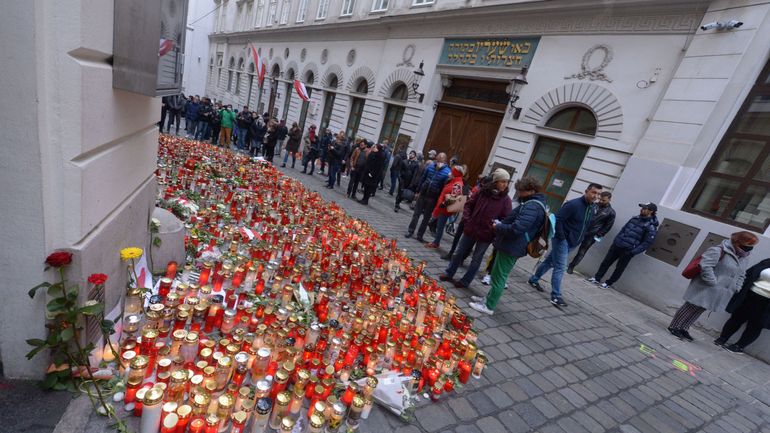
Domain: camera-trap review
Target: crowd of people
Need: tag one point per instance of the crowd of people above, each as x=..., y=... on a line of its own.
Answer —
x=484, y=215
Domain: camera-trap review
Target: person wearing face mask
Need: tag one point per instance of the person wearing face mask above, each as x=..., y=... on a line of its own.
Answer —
x=750, y=306
x=511, y=236
x=601, y=224
x=228, y=119
x=490, y=203
x=431, y=183
x=572, y=221
x=634, y=238
x=722, y=272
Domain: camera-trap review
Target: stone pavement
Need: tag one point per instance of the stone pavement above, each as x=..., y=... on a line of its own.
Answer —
x=605, y=363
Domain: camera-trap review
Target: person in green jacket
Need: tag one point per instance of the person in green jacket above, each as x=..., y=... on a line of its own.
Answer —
x=228, y=118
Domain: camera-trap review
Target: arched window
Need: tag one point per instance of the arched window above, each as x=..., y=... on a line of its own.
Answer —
x=362, y=87
x=309, y=79
x=357, y=109
x=574, y=119
x=328, y=104
x=289, y=88
x=393, y=114
x=238, y=77
x=230, y=74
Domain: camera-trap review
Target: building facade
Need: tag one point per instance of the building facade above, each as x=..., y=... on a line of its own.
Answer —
x=200, y=23
x=78, y=168
x=630, y=94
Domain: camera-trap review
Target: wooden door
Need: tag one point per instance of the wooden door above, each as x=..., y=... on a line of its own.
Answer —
x=466, y=132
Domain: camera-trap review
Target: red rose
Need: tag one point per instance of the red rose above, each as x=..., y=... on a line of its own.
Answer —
x=97, y=279
x=59, y=259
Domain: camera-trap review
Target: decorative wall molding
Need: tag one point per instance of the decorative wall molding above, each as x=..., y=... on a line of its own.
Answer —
x=594, y=73
x=275, y=61
x=332, y=70
x=310, y=67
x=362, y=72
x=600, y=100
x=395, y=78
x=407, y=56
x=291, y=66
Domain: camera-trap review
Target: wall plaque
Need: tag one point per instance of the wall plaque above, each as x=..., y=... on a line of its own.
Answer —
x=672, y=241
x=505, y=52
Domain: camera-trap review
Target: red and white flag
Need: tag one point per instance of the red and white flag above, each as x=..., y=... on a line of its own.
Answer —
x=299, y=86
x=260, y=67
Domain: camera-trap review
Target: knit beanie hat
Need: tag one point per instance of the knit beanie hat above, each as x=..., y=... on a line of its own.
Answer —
x=500, y=175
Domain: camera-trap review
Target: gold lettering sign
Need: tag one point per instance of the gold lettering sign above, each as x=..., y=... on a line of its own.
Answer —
x=489, y=52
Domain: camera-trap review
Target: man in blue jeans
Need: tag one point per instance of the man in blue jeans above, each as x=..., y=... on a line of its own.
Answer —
x=572, y=220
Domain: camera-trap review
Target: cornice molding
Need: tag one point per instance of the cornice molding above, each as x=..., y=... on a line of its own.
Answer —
x=655, y=17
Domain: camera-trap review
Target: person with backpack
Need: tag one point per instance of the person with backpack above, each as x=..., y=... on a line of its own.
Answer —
x=512, y=235
x=431, y=183
x=486, y=205
x=258, y=130
x=722, y=273
x=750, y=306
x=572, y=221
x=450, y=201
x=243, y=122
x=601, y=224
x=634, y=238
x=409, y=166
x=468, y=192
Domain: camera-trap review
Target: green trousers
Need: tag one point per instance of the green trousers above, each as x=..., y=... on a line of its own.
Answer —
x=500, y=270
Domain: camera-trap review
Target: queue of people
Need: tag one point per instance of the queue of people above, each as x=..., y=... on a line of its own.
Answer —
x=437, y=192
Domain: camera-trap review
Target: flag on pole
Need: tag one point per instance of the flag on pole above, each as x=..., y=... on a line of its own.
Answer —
x=301, y=90
x=260, y=67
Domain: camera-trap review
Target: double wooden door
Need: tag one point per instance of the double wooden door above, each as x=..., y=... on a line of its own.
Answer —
x=466, y=132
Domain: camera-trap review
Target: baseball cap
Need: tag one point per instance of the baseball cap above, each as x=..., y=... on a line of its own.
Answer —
x=650, y=206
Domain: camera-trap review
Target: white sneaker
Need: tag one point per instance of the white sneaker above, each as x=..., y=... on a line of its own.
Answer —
x=481, y=308
x=593, y=280
x=478, y=299
x=605, y=286
x=487, y=280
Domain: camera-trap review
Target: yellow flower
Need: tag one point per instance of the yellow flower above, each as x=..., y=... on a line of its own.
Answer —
x=131, y=253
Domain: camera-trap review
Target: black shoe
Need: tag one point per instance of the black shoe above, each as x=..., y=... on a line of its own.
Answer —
x=460, y=285
x=687, y=335
x=395, y=209
x=446, y=256
x=676, y=333
x=303, y=172
x=536, y=285
x=444, y=277
x=329, y=187
x=558, y=302
x=408, y=235
x=421, y=240
x=283, y=165
x=365, y=203
x=734, y=348
x=569, y=271
x=720, y=341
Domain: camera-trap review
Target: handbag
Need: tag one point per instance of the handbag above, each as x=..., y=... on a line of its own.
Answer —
x=693, y=268
x=456, y=203
x=407, y=195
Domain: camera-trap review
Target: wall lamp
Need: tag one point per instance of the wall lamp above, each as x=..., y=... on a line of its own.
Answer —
x=514, y=87
x=418, y=76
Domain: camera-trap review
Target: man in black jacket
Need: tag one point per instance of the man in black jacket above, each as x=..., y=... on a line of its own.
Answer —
x=336, y=156
x=175, y=104
x=406, y=172
x=634, y=238
x=601, y=224
x=572, y=221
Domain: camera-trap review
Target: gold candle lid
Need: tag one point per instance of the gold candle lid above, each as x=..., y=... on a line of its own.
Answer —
x=140, y=362
x=225, y=361
x=287, y=424
x=244, y=392
x=239, y=417
x=179, y=376
x=184, y=410
x=170, y=406
x=149, y=333
x=191, y=337
x=140, y=393
x=153, y=396
x=283, y=398
x=281, y=376
x=247, y=406
x=179, y=335
x=212, y=420
x=226, y=401
x=358, y=401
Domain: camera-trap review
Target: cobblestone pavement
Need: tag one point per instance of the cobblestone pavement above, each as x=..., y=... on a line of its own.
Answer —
x=605, y=363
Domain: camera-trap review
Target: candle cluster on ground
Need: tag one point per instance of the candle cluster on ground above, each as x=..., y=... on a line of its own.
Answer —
x=286, y=313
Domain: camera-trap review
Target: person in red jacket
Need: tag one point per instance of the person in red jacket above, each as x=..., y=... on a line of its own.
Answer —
x=490, y=203
x=453, y=190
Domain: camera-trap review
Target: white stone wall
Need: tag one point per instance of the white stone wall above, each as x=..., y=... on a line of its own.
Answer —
x=79, y=167
x=196, y=49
